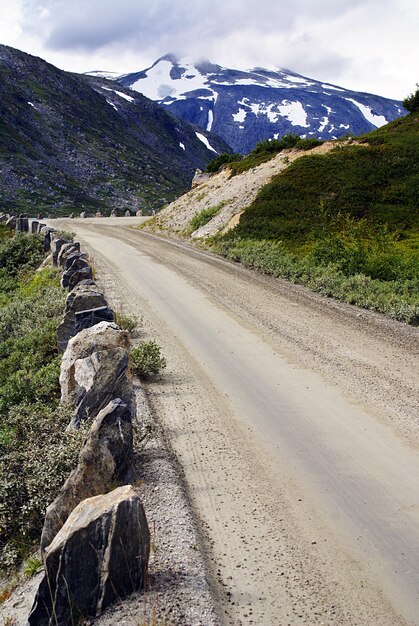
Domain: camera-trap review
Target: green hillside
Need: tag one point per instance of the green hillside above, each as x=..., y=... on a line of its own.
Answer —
x=352, y=212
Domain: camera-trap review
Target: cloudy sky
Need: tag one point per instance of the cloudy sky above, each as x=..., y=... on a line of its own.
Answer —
x=367, y=45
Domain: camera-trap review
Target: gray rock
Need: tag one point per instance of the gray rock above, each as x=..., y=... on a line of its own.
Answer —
x=82, y=298
x=11, y=223
x=77, y=264
x=99, y=556
x=56, y=246
x=101, y=337
x=85, y=273
x=106, y=458
x=88, y=318
x=22, y=224
x=34, y=226
x=127, y=213
x=83, y=214
x=69, y=258
x=100, y=378
x=67, y=249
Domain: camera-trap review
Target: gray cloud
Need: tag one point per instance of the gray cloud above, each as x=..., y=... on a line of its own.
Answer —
x=340, y=41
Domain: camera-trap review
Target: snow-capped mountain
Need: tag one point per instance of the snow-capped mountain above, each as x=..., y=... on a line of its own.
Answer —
x=245, y=107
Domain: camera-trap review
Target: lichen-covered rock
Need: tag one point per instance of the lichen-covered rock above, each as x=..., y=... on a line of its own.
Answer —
x=106, y=457
x=56, y=245
x=88, y=318
x=101, y=337
x=99, y=378
x=100, y=555
x=82, y=298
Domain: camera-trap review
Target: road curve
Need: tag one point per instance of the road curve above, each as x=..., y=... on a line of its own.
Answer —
x=306, y=405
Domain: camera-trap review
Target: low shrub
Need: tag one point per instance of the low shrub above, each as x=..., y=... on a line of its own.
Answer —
x=214, y=165
x=36, y=454
x=146, y=359
x=21, y=252
x=126, y=322
x=398, y=299
x=203, y=217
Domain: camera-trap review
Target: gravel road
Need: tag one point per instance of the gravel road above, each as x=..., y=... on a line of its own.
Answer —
x=295, y=420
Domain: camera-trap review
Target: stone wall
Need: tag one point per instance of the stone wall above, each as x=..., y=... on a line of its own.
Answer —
x=95, y=542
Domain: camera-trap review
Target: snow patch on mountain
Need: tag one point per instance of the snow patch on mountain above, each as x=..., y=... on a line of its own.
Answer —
x=377, y=120
x=248, y=106
x=120, y=94
x=205, y=142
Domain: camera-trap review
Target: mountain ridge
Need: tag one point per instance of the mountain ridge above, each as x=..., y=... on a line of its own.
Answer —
x=72, y=142
x=245, y=107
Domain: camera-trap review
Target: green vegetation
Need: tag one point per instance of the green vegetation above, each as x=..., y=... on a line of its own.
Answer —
x=36, y=454
x=411, y=103
x=147, y=359
x=126, y=322
x=266, y=150
x=214, y=165
x=344, y=223
x=203, y=217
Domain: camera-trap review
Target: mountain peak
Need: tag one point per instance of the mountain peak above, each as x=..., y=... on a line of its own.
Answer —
x=247, y=106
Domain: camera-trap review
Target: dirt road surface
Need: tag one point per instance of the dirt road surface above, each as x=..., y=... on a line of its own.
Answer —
x=295, y=419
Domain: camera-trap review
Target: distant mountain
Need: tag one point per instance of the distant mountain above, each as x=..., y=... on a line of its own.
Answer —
x=245, y=107
x=71, y=142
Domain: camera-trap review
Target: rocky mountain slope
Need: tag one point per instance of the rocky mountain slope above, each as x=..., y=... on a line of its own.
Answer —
x=245, y=107
x=71, y=143
x=224, y=195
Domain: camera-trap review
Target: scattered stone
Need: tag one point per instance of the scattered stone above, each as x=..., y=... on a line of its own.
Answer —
x=127, y=213
x=139, y=213
x=83, y=214
x=100, y=378
x=99, y=556
x=103, y=336
x=106, y=457
x=71, y=216
x=113, y=213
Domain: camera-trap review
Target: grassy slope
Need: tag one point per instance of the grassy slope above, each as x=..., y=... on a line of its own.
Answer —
x=350, y=213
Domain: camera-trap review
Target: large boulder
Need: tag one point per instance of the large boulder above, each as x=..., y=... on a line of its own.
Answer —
x=104, y=336
x=106, y=458
x=82, y=298
x=99, y=556
x=99, y=378
x=88, y=318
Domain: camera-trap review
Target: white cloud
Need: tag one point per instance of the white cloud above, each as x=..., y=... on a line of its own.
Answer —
x=366, y=45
